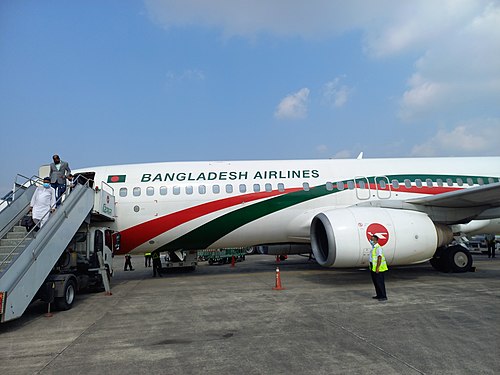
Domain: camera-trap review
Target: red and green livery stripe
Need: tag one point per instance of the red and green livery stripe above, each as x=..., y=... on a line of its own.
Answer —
x=114, y=178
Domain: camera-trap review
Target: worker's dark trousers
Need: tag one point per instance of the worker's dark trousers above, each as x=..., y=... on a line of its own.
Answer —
x=156, y=266
x=491, y=250
x=379, y=283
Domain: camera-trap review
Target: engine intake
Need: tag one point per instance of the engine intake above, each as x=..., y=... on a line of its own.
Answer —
x=340, y=238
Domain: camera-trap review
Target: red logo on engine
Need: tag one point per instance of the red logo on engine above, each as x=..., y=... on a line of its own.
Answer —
x=380, y=231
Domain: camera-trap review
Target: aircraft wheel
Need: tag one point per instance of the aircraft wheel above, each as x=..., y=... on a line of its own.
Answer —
x=66, y=301
x=459, y=259
x=440, y=260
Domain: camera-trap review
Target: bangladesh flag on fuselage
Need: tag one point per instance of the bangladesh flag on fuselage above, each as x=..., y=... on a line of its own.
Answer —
x=116, y=178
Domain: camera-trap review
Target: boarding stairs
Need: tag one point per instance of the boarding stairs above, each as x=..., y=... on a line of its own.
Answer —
x=26, y=259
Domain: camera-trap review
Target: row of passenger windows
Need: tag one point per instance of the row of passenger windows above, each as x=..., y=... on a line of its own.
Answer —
x=202, y=189
x=351, y=184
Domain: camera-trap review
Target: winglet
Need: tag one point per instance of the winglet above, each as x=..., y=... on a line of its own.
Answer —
x=360, y=156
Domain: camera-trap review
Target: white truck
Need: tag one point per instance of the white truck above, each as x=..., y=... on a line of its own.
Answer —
x=78, y=267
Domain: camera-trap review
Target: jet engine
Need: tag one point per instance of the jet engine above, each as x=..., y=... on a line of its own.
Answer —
x=340, y=237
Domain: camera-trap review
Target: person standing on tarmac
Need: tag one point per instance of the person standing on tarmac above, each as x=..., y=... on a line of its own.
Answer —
x=156, y=263
x=128, y=263
x=377, y=268
x=147, y=259
x=490, y=242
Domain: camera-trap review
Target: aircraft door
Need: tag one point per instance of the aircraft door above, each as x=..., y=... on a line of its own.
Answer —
x=383, y=187
x=362, y=188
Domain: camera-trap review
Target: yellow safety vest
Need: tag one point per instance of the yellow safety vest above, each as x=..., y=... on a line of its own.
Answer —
x=156, y=255
x=147, y=254
x=383, y=264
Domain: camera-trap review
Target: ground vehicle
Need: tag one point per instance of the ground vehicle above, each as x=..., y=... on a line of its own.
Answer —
x=78, y=267
x=222, y=256
x=70, y=252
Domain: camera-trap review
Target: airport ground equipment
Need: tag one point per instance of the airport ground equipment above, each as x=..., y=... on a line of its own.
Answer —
x=222, y=256
x=60, y=258
x=179, y=259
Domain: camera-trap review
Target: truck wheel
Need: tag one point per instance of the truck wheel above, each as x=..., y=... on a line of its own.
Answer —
x=66, y=301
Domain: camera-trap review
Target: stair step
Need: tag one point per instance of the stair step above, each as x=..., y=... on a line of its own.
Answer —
x=13, y=241
x=15, y=235
x=18, y=228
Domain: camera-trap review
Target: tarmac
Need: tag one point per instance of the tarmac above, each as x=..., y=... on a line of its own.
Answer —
x=223, y=320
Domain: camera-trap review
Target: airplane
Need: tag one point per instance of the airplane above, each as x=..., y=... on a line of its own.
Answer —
x=418, y=207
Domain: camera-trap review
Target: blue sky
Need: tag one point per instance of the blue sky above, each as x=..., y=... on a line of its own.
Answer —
x=114, y=82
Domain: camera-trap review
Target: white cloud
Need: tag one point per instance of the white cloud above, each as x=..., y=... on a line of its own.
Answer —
x=186, y=75
x=480, y=137
x=293, y=106
x=322, y=149
x=343, y=154
x=335, y=94
x=457, y=63
x=459, y=71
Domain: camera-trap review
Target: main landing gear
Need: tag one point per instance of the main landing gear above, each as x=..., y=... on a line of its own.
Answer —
x=455, y=258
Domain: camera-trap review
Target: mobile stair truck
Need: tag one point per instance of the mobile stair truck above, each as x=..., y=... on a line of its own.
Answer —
x=72, y=251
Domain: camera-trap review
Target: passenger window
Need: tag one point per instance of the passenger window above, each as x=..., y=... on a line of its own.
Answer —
x=449, y=182
x=305, y=186
x=123, y=192
x=150, y=191
x=383, y=184
x=189, y=190
x=470, y=181
x=362, y=184
x=480, y=181
x=329, y=186
x=428, y=182
x=491, y=180
x=202, y=189
x=163, y=190
x=340, y=186
x=229, y=188
x=407, y=183
x=256, y=188
x=269, y=187
x=176, y=190
x=281, y=186
x=395, y=184
x=136, y=191
x=350, y=184
x=418, y=182
x=216, y=189
x=460, y=182
x=439, y=182
x=243, y=188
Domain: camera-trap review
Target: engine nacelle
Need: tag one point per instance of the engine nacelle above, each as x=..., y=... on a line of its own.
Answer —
x=340, y=238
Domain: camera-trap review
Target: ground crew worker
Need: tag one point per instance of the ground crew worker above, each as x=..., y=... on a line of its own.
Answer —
x=156, y=263
x=377, y=268
x=128, y=263
x=490, y=242
x=147, y=259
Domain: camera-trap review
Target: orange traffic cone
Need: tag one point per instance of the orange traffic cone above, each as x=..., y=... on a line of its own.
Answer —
x=278, y=280
x=233, y=262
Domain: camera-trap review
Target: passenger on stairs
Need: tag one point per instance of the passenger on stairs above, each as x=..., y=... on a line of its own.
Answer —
x=43, y=202
x=59, y=171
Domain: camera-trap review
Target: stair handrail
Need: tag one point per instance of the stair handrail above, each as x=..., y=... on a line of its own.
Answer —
x=44, y=237
x=83, y=181
x=8, y=198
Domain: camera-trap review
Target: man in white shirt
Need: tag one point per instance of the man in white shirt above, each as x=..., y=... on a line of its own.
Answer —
x=43, y=202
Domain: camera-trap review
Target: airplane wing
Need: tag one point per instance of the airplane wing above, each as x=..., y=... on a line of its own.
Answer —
x=456, y=207
x=485, y=196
